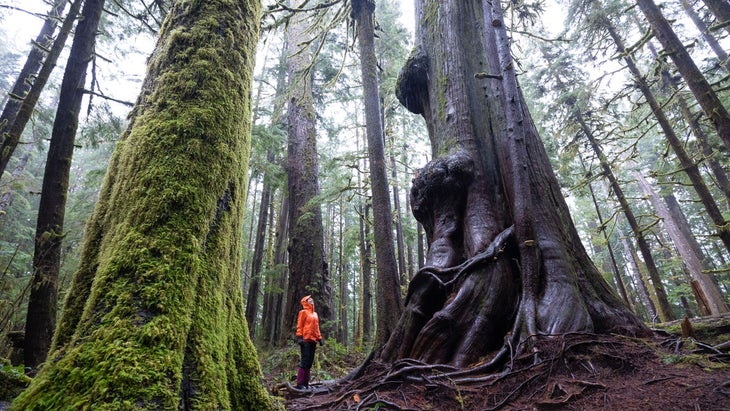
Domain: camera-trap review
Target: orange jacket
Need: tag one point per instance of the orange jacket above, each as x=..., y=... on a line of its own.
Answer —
x=308, y=322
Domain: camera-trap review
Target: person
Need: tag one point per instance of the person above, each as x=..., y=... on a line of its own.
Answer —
x=308, y=336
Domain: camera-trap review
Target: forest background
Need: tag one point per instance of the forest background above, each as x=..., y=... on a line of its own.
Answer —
x=626, y=169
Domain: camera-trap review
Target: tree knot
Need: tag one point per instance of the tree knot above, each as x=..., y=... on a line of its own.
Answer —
x=411, y=88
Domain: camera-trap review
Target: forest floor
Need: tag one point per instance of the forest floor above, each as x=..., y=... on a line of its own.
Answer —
x=573, y=372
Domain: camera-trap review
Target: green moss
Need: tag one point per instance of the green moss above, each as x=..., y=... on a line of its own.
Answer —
x=12, y=381
x=156, y=318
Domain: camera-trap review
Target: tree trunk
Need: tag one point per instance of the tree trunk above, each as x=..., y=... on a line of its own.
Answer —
x=42, y=303
x=641, y=283
x=664, y=309
x=703, y=92
x=254, y=289
x=155, y=317
x=686, y=245
x=505, y=262
x=387, y=296
x=711, y=41
x=308, y=271
x=604, y=231
x=343, y=270
x=30, y=69
x=721, y=10
x=400, y=244
x=689, y=167
x=11, y=135
x=276, y=318
x=6, y=199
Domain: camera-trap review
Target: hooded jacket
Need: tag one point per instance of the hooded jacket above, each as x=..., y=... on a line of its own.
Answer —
x=308, y=322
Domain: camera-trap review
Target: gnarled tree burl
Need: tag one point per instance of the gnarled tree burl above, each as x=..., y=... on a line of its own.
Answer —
x=505, y=262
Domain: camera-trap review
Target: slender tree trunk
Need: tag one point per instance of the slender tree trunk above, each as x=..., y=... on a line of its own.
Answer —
x=254, y=289
x=641, y=282
x=604, y=231
x=711, y=41
x=280, y=262
x=400, y=244
x=703, y=92
x=11, y=135
x=6, y=199
x=721, y=10
x=42, y=303
x=710, y=300
x=665, y=311
x=388, y=300
x=689, y=167
x=156, y=317
x=41, y=46
x=343, y=270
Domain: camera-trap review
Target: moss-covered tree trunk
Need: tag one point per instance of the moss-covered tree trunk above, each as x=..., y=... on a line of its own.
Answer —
x=308, y=271
x=155, y=317
x=505, y=263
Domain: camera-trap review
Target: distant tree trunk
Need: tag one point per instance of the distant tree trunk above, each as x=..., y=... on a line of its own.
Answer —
x=604, y=230
x=710, y=301
x=366, y=273
x=721, y=10
x=308, y=271
x=254, y=289
x=505, y=263
x=703, y=92
x=343, y=270
x=12, y=131
x=665, y=311
x=33, y=64
x=6, y=199
x=409, y=247
x=641, y=283
x=400, y=244
x=387, y=296
x=711, y=41
x=42, y=303
x=688, y=165
x=279, y=298
x=693, y=121
x=155, y=317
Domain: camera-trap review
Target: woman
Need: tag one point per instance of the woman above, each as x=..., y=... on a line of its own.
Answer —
x=307, y=337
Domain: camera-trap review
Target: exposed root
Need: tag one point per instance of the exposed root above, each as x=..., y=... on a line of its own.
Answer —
x=492, y=252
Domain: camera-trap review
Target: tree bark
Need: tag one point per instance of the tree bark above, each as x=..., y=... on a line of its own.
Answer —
x=155, y=317
x=664, y=309
x=721, y=10
x=703, y=92
x=388, y=301
x=42, y=302
x=11, y=135
x=33, y=64
x=711, y=41
x=505, y=262
x=254, y=289
x=686, y=245
x=689, y=167
x=308, y=271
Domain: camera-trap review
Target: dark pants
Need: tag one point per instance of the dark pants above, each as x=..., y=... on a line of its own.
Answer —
x=307, y=349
